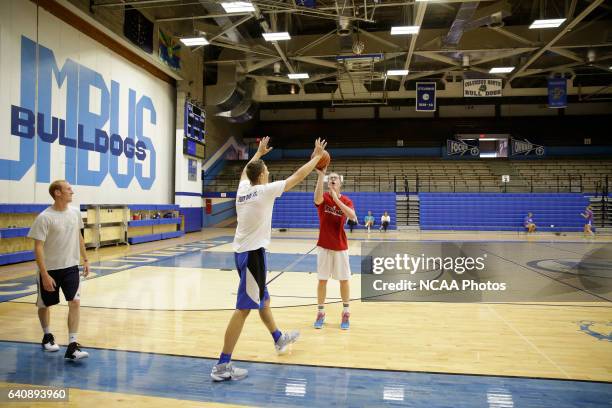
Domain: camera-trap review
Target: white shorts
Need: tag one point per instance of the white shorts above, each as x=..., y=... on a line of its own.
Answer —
x=333, y=264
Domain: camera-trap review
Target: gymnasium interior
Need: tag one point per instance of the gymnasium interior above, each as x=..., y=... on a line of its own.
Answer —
x=464, y=121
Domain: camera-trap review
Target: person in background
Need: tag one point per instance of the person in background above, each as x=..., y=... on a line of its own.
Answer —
x=588, y=221
x=369, y=220
x=351, y=224
x=528, y=223
x=385, y=220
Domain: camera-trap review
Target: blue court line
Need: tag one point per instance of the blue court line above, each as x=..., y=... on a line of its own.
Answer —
x=26, y=285
x=282, y=385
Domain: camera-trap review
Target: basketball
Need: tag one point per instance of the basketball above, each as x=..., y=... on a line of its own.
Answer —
x=324, y=162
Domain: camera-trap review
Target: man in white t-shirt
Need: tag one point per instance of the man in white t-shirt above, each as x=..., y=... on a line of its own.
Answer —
x=57, y=245
x=254, y=204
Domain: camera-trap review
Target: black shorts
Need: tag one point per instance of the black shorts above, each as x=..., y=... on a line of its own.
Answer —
x=68, y=279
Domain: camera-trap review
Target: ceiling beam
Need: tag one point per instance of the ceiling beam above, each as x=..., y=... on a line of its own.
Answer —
x=283, y=79
x=316, y=61
x=552, y=42
x=165, y=20
x=261, y=64
x=230, y=27
x=421, y=7
x=529, y=72
x=315, y=43
x=567, y=54
x=513, y=36
x=376, y=38
x=222, y=42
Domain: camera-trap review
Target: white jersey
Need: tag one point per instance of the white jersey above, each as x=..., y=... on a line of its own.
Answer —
x=254, y=206
x=59, y=230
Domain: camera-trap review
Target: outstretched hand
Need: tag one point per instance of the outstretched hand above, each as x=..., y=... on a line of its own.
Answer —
x=321, y=172
x=263, y=148
x=320, y=145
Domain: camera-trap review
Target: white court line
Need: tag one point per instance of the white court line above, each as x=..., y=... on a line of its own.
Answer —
x=530, y=343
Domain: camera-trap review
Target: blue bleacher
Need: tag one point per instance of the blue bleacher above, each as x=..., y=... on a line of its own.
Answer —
x=501, y=211
x=297, y=210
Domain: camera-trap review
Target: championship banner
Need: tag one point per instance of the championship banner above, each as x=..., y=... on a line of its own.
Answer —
x=425, y=96
x=557, y=92
x=482, y=88
x=525, y=147
x=460, y=148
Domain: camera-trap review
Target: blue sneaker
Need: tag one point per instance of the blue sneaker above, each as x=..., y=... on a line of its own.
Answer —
x=318, y=324
x=345, y=321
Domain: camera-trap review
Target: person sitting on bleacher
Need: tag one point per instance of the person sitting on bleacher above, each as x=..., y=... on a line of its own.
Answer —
x=385, y=220
x=369, y=220
x=528, y=223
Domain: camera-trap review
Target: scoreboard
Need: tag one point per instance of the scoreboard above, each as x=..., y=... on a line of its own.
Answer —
x=193, y=148
x=195, y=131
x=195, y=122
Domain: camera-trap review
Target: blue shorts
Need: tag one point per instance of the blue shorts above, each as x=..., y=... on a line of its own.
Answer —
x=252, y=290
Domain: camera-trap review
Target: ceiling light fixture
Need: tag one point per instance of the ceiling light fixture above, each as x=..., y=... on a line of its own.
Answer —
x=193, y=41
x=501, y=70
x=405, y=30
x=238, y=7
x=276, y=36
x=550, y=23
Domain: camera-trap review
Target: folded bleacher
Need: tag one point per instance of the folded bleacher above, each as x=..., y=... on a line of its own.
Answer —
x=297, y=210
x=501, y=211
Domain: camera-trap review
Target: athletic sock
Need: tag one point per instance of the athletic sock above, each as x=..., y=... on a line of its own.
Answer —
x=224, y=358
x=276, y=335
x=72, y=337
x=321, y=308
x=46, y=330
x=345, y=308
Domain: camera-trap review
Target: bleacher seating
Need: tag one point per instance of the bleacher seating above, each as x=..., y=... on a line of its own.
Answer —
x=501, y=212
x=297, y=210
x=565, y=174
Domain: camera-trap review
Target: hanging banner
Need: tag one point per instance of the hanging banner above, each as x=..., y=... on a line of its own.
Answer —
x=425, y=96
x=482, y=88
x=557, y=92
x=525, y=147
x=460, y=148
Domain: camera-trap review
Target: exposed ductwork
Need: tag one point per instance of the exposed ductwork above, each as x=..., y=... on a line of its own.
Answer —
x=464, y=15
x=490, y=16
x=231, y=97
x=345, y=27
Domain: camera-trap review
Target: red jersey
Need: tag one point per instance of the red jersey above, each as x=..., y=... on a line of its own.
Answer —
x=331, y=223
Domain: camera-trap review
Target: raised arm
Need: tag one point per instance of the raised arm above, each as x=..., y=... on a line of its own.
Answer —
x=348, y=211
x=262, y=150
x=306, y=169
x=318, y=194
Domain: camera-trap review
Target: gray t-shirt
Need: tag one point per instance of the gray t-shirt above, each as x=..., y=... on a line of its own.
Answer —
x=59, y=230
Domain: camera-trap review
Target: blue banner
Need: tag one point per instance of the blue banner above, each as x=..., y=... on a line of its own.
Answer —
x=557, y=92
x=425, y=96
x=307, y=3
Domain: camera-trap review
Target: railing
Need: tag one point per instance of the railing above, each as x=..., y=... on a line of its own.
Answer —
x=417, y=183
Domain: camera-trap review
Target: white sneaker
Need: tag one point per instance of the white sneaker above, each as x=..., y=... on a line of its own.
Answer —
x=285, y=340
x=227, y=371
x=74, y=352
x=48, y=343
